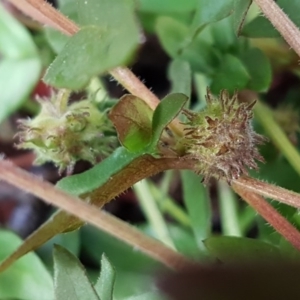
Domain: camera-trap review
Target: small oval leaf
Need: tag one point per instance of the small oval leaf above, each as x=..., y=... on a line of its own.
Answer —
x=242, y=250
x=132, y=118
x=166, y=111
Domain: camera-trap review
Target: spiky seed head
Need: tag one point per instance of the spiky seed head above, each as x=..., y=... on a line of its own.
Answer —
x=221, y=138
x=64, y=134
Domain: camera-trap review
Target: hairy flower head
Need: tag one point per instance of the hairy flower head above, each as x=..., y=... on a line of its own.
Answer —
x=221, y=138
x=64, y=134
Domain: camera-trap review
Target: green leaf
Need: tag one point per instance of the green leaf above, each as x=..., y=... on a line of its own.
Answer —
x=231, y=75
x=166, y=6
x=211, y=11
x=197, y=203
x=28, y=278
x=132, y=118
x=15, y=84
x=70, y=280
x=98, y=48
x=19, y=57
x=105, y=283
x=166, y=111
x=119, y=20
x=171, y=34
x=288, y=251
x=137, y=286
x=201, y=54
x=91, y=179
x=88, y=53
x=198, y=51
x=15, y=40
x=184, y=241
x=180, y=75
x=55, y=38
x=70, y=241
x=259, y=68
x=105, y=13
x=228, y=204
x=241, y=8
x=243, y=250
x=223, y=35
x=260, y=27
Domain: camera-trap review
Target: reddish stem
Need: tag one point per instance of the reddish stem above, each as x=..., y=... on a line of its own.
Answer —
x=268, y=190
x=89, y=213
x=281, y=22
x=271, y=215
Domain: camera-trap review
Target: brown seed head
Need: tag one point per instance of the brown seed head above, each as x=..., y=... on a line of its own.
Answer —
x=221, y=138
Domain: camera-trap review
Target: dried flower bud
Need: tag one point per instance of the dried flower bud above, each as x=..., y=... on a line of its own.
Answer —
x=64, y=134
x=221, y=138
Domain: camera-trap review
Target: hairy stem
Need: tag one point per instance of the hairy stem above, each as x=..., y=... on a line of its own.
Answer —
x=43, y=12
x=267, y=190
x=281, y=22
x=228, y=211
x=168, y=205
x=271, y=215
x=153, y=213
x=90, y=214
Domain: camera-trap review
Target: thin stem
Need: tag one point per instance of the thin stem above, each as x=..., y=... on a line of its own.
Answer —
x=228, y=211
x=267, y=190
x=63, y=99
x=279, y=138
x=200, y=82
x=271, y=215
x=44, y=13
x=281, y=22
x=246, y=219
x=169, y=206
x=166, y=181
x=131, y=83
x=90, y=214
x=152, y=213
x=97, y=91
